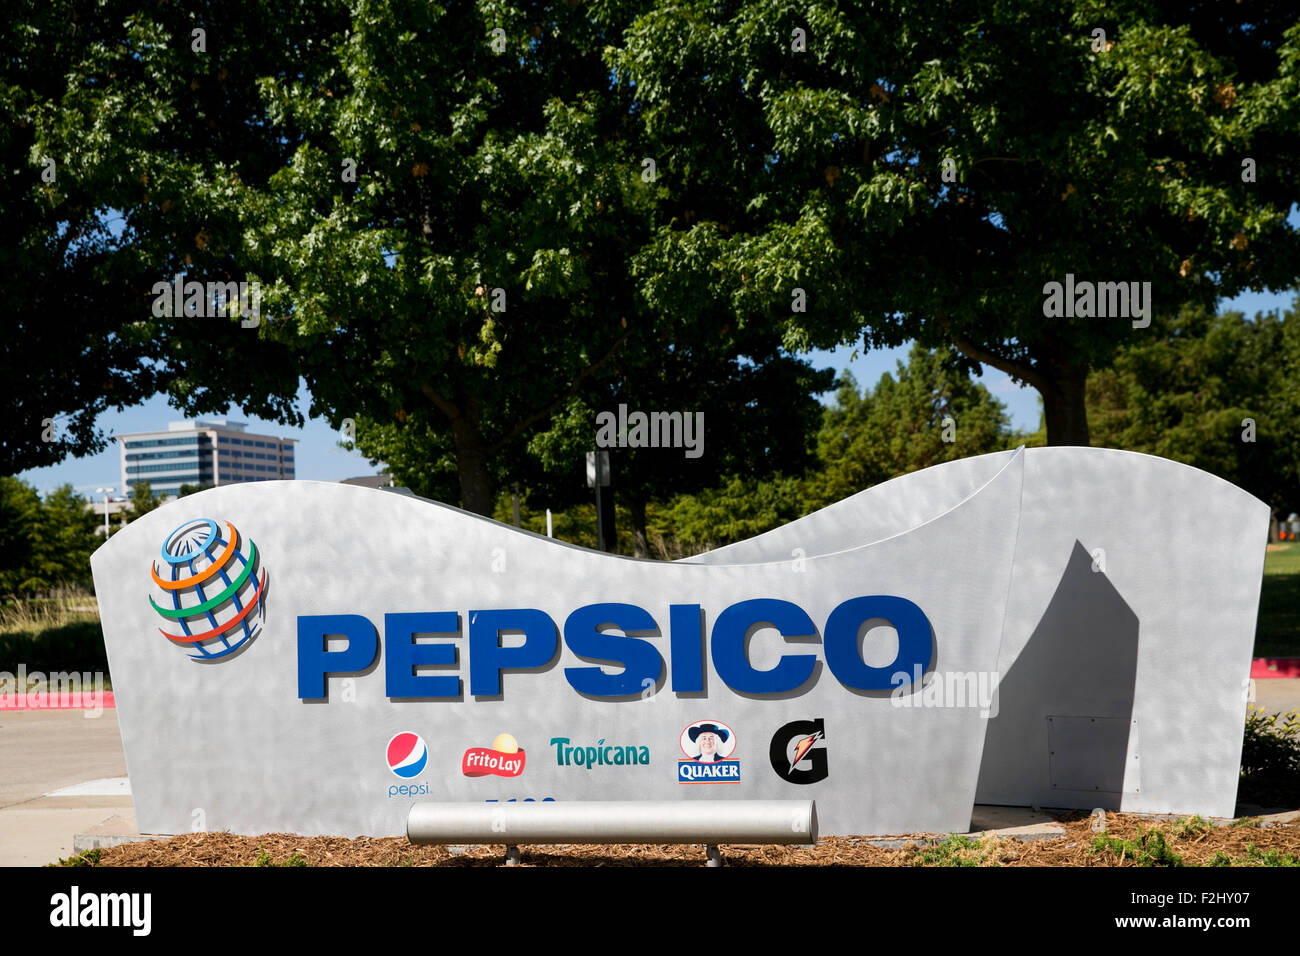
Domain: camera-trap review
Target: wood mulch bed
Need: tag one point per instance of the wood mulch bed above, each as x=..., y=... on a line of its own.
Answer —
x=1134, y=840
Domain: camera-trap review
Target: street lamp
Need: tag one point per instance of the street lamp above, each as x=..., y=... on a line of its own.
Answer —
x=105, y=492
x=598, y=477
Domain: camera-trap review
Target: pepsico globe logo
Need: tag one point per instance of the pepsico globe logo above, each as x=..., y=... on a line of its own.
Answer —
x=209, y=589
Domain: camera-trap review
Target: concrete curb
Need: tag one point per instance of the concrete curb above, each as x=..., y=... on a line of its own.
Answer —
x=114, y=831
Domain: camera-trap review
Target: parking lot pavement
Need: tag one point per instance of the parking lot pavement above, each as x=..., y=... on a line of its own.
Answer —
x=1277, y=695
x=42, y=751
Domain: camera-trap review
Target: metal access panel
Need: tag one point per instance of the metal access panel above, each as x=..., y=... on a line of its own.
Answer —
x=1083, y=752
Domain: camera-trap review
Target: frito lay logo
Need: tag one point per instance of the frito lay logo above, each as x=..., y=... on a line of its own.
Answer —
x=708, y=746
x=502, y=759
x=795, y=754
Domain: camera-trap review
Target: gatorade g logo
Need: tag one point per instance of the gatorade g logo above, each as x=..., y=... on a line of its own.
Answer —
x=797, y=753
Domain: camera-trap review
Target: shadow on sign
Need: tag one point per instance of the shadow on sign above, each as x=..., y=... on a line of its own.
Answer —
x=1079, y=668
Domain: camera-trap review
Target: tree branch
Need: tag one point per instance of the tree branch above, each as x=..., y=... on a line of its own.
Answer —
x=439, y=401
x=1026, y=373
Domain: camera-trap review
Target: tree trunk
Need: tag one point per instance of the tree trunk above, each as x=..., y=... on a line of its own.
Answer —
x=1061, y=382
x=640, y=541
x=1064, y=407
x=472, y=466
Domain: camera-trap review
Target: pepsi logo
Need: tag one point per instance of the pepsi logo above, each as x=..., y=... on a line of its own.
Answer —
x=407, y=754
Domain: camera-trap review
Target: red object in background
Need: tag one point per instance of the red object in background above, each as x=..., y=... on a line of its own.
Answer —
x=1275, y=667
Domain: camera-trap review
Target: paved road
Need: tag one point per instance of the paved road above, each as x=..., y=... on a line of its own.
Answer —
x=45, y=750
x=1276, y=695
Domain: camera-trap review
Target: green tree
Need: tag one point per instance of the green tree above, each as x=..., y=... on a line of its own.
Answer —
x=20, y=522
x=921, y=172
x=143, y=501
x=67, y=537
x=44, y=544
x=931, y=413
x=738, y=508
x=1214, y=391
x=448, y=252
x=123, y=137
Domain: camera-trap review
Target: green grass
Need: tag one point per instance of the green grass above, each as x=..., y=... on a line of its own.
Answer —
x=1278, y=632
x=1192, y=825
x=264, y=859
x=1149, y=849
x=1254, y=857
x=84, y=858
x=955, y=850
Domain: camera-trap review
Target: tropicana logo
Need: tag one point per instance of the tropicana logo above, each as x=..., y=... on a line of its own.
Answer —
x=201, y=559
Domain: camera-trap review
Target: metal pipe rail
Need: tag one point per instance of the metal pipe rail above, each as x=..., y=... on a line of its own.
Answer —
x=710, y=822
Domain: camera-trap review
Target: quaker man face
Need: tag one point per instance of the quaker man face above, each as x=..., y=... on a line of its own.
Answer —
x=708, y=744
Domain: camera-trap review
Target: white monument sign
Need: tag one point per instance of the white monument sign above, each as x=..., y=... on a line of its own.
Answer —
x=315, y=657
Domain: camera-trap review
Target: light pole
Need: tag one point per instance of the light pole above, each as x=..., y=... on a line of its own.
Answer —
x=105, y=492
x=598, y=477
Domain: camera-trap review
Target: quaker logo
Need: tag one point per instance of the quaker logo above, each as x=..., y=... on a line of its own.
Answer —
x=708, y=746
x=795, y=754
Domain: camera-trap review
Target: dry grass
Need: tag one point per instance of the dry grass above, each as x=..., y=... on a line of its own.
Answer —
x=60, y=607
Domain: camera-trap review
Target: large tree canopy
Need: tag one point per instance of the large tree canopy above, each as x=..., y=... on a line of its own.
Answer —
x=478, y=224
x=923, y=171
x=447, y=252
x=124, y=136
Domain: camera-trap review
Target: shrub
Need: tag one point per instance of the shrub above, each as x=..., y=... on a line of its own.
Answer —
x=1270, y=759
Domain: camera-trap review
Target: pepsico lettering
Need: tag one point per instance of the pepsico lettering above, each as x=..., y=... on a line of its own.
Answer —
x=642, y=661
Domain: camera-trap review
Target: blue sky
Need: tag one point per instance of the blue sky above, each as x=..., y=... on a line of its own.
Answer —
x=319, y=457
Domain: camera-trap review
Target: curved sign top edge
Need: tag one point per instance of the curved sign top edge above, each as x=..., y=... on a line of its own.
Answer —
x=722, y=555
x=123, y=538
x=900, y=487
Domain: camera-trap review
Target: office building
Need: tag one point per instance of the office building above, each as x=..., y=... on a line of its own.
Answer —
x=203, y=452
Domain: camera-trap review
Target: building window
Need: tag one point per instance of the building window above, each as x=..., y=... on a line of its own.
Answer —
x=161, y=443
